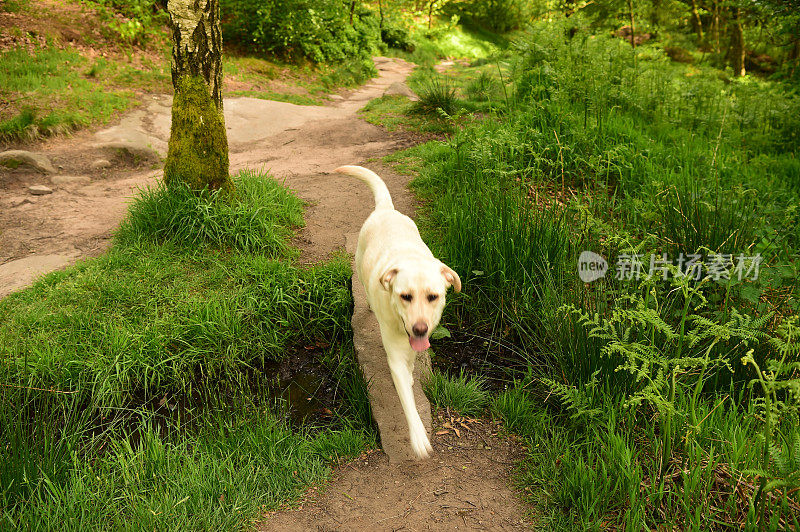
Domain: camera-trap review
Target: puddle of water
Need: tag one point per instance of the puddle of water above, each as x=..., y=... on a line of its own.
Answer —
x=302, y=396
x=298, y=387
x=477, y=355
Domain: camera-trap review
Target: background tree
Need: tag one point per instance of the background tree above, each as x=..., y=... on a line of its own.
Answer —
x=198, y=144
x=736, y=52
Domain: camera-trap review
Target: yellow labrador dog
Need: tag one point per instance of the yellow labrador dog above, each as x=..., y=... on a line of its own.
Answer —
x=405, y=286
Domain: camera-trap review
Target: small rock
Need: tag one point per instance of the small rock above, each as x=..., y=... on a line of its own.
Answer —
x=400, y=89
x=69, y=179
x=18, y=202
x=335, y=97
x=15, y=158
x=39, y=190
x=139, y=151
x=100, y=164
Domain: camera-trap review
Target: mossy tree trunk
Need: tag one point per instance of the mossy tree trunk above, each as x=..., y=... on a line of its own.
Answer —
x=198, y=144
x=736, y=49
x=633, y=28
x=697, y=23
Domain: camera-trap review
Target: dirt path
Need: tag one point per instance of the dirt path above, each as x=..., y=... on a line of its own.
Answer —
x=466, y=483
x=463, y=486
x=298, y=144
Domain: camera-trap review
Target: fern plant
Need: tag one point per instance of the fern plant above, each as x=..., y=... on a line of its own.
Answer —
x=664, y=344
x=780, y=404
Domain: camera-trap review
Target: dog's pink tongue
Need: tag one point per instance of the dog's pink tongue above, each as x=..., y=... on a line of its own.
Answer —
x=419, y=344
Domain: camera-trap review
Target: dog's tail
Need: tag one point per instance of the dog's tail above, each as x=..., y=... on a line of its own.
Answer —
x=382, y=198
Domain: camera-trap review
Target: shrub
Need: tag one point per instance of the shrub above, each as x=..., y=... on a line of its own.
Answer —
x=500, y=16
x=317, y=31
x=397, y=37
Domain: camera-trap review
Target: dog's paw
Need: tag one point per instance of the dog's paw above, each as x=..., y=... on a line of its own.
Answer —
x=420, y=444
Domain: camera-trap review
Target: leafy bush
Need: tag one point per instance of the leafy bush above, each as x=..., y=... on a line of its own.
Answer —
x=397, y=37
x=132, y=20
x=500, y=16
x=318, y=31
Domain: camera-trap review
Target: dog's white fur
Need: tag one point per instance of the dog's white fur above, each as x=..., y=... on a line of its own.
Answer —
x=405, y=286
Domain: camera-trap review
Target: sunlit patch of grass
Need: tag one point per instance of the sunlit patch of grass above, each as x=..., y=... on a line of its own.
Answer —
x=395, y=112
x=275, y=96
x=448, y=40
x=50, y=92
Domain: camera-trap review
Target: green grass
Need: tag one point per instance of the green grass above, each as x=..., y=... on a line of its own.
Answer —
x=447, y=101
x=135, y=390
x=238, y=463
x=449, y=40
x=36, y=83
x=465, y=395
x=301, y=84
x=297, y=99
x=257, y=218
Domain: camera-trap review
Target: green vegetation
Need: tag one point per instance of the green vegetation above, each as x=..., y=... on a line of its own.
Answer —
x=198, y=145
x=465, y=395
x=137, y=386
x=655, y=409
x=35, y=83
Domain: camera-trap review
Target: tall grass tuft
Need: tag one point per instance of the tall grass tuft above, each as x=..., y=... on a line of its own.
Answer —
x=257, y=218
x=436, y=97
x=465, y=395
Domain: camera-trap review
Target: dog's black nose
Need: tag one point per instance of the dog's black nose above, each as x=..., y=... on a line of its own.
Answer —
x=419, y=329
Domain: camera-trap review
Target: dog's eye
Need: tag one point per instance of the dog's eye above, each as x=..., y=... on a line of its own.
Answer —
x=433, y=297
x=406, y=297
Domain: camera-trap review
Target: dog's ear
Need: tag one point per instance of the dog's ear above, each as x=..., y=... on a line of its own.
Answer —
x=451, y=277
x=388, y=277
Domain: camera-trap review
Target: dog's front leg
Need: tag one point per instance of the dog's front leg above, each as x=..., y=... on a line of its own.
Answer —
x=401, y=364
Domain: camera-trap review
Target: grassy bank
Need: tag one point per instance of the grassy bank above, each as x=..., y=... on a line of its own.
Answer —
x=67, y=67
x=648, y=400
x=140, y=387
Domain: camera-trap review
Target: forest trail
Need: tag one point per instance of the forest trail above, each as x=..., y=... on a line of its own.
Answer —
x=466, y=484
x=98, y=172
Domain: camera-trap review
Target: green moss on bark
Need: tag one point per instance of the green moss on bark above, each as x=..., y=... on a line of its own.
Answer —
x=198, y=144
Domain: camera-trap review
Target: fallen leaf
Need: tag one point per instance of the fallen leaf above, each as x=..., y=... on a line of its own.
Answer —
x=441, y=432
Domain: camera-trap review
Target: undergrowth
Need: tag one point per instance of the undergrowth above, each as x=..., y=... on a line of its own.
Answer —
x=135, y=386
x=646, y=402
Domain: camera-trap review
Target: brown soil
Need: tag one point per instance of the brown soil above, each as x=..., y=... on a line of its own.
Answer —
x=463, y=486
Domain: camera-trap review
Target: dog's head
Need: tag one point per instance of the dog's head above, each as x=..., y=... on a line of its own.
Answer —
x=417, y=295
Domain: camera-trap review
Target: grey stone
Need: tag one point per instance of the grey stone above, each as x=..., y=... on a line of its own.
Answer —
x=139, y=151
x=386, y=408
x=15, y=158
x=400, y=89
x=39, y=190
x=69, y=179
x=17, y=274
x=100, y=164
